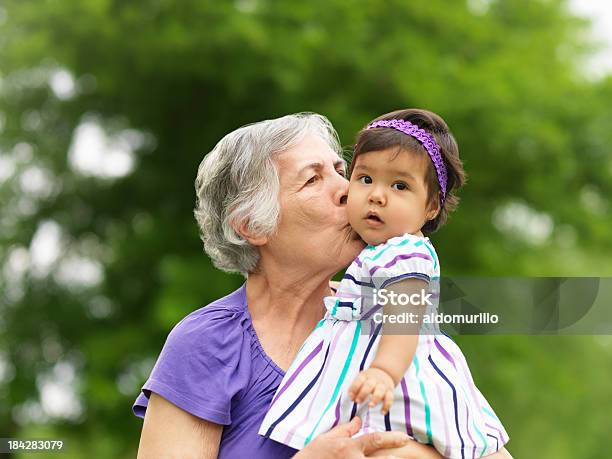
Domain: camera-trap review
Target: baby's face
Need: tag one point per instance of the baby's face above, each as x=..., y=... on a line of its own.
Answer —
x=388, y=195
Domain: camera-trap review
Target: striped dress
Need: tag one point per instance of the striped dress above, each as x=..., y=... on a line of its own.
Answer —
x=436, y=402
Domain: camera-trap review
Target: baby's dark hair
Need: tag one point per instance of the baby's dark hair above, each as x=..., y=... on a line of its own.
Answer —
x=378, y=139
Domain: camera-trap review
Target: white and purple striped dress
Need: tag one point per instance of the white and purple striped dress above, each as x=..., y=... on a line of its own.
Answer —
x=436, y=402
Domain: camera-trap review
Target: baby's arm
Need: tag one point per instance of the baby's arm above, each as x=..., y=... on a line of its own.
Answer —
x=395, y=351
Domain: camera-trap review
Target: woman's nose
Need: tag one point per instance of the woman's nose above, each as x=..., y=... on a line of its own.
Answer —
x=341, y=194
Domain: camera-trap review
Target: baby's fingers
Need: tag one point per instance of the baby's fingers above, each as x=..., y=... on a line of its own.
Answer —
x=378, y=394
x=366, y=389
x=356, y=386
x=388, y=401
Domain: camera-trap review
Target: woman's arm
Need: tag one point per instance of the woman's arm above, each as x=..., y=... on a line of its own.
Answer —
x=171, y=432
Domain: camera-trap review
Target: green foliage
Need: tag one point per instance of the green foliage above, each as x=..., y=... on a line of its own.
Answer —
x=533, y=132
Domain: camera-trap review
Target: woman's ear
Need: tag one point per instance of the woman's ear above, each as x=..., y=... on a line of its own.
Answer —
x=251, y=237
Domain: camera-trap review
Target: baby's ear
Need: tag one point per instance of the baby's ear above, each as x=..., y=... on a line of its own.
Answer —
x=434, y=208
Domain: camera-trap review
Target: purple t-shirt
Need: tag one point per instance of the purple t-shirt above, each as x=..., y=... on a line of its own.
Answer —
x=214, y=367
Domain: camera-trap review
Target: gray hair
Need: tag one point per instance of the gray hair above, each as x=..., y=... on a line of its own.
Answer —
x=238, y=184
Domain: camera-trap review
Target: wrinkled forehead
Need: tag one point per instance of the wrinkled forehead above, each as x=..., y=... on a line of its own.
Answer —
x=309, y=152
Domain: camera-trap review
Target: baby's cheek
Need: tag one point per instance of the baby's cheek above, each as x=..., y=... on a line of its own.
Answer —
x=353, y=216
x=353, y=207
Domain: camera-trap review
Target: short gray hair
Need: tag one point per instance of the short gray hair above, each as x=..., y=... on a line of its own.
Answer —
x=238, y=184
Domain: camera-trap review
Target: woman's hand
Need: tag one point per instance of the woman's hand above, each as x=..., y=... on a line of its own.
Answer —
x=337, y=443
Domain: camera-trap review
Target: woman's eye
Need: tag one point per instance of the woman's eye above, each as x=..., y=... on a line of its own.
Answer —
x=400, y=186
x=341, y=172
x=312, y=180
x=365, y=179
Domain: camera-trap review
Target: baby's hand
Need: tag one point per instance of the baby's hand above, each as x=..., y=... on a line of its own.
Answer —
x=375, y=383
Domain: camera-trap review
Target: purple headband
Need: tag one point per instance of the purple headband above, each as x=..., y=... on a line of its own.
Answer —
x=428, y=142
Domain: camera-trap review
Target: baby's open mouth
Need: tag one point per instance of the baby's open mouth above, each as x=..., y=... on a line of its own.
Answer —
x=372, y=216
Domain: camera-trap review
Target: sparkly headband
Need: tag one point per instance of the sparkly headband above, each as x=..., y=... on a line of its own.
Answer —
x=428, y=142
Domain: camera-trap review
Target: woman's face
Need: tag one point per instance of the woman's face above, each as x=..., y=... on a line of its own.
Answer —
x=313, y=233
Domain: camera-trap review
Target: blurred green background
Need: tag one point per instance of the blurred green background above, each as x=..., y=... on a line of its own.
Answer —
x=107, y=107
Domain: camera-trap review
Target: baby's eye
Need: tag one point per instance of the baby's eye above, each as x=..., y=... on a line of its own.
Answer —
x=365, y=179
x=400, y=186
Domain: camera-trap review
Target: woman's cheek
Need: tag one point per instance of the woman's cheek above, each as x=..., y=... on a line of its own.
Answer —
x=313, y=214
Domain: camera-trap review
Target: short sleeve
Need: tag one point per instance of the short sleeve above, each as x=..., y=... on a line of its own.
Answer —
x=401, y=258
x=200, y=368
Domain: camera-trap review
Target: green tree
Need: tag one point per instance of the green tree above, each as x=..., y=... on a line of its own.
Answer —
x=169, y=79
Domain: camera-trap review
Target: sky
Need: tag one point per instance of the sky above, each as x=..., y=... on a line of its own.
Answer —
x=600, y=12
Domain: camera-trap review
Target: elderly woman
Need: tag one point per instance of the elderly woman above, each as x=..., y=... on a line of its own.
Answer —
x=271, y=205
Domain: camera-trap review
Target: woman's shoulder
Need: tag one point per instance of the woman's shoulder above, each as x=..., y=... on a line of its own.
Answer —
x=217, y=322
x=200, y=368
